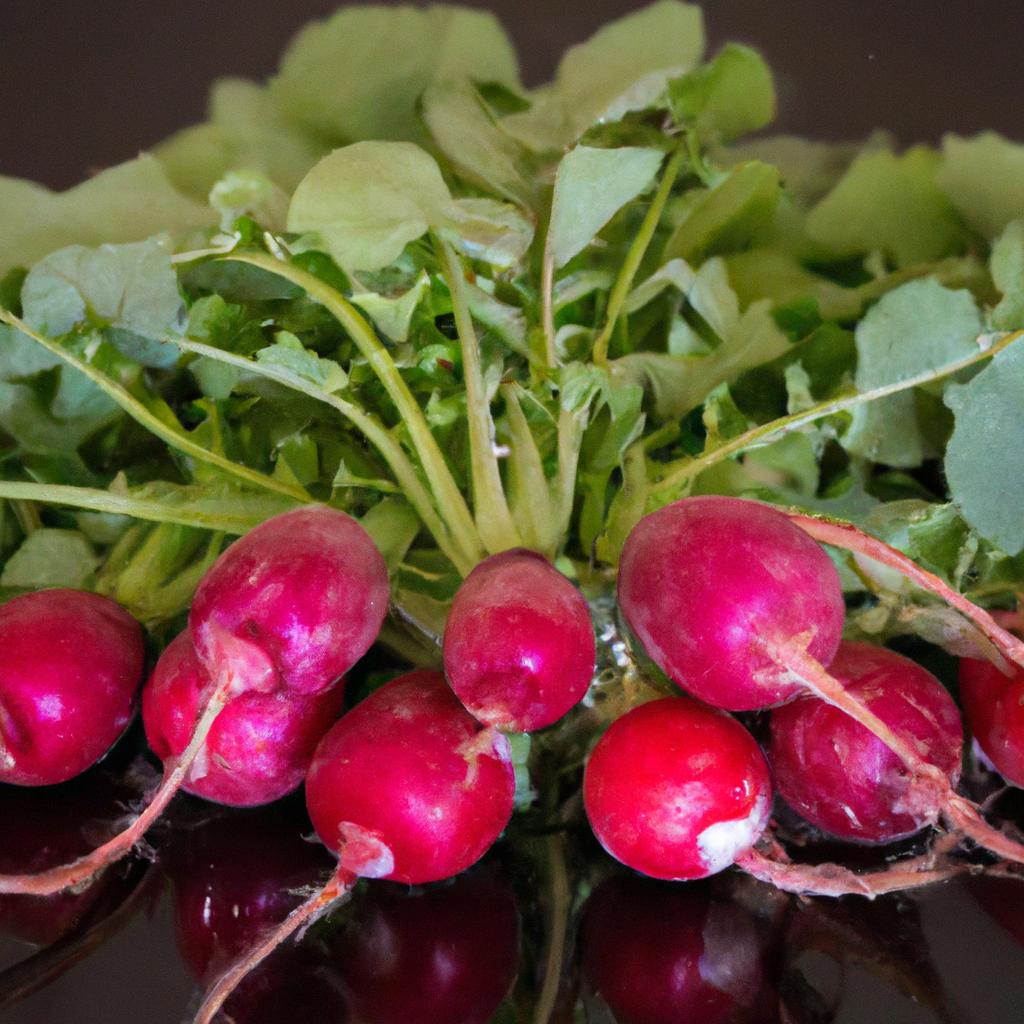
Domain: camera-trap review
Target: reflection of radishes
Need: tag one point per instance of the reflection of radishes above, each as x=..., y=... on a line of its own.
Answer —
x=677, y=790
x=518, y=644
x=407, y=786
x=70, y=666
x=285, y=610
x=446, y=954
x=660, y=954
x=260, y=745
x=840, y=777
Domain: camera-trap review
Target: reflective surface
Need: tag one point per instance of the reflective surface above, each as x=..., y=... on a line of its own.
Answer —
x=140, y=943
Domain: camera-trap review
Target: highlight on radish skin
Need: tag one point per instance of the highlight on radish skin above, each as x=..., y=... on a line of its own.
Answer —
x=518, y=643
x=834, y=773
x=258, y=748
x=677, y=790
x=714, y=588
x=70, y=668
x=407, y=786
x=294, y=603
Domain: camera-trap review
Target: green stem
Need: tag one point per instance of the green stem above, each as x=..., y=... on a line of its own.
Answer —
x=133, y=407
x=450, y=501
x=637, y=251
x=571, y=426
x=692, y=468
x=27, y=515
x=493, y=519
x=378, y=435
x=532, y=496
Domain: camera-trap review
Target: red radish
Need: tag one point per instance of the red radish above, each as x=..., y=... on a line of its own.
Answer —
x=677, y=790
x=70, y=667
x=446, y=954
x=718, y=590
x=843, y=779
x=293, y=604
x=661, y=954
x=994, y=705
x=518, y=644
x=260, y=745
x=407, y=786
x=287, y=608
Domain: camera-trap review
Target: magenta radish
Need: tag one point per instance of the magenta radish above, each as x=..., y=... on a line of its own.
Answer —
x=293, y=604
x=719, y=591
x=993, y=703
x=70, y=668
x=518, y=644
x=258, y=748
x=662, y=954
x=844, y=780
x=288, y=608
x=407, y=786
x=677, y=790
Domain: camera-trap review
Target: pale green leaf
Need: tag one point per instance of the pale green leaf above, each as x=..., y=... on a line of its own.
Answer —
x=393, y=313
x=591, y=186
x=485, y=229
x=984, y=177
x=985, y=455
x=250, y=193
x=51, y=558
x=360, y=73
x=289, y=356
x=891, y=204
x=1007, y=265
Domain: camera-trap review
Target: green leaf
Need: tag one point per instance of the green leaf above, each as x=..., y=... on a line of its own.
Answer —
x=917, y=327
x=591, y=186
x=891, y=204
x=467, y=134
x=292, y=358
x=730, y=96
x=729, y=215
x=485, y=229
x=1007, y=265
x=626, y=64
x=51, y=558
x=985, y=455
x=126, y=203
x=984, y=177
x=359, y=74
x=132, y=287
x=252, y=194
x=393, y=314
x=369, y=200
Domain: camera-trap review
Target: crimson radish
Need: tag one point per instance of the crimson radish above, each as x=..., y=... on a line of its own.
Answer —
x=445, y=954
x=408, y=787
x=518, y=644
x=841, y=778
x=286, y=609
x=677, y=790
x=70, y=667
x=660, y=954
x=993, y=703
x=260, y=745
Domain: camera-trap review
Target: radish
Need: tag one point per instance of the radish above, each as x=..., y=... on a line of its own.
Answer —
x=661, y=954
x=446, y=954
x=292, y=605
x=286, y=609
x=518, y=644
x=677, y=790
x=260, y=745
x=841, y=778
x=70, y=668
x=408, y=787
x=994, y=705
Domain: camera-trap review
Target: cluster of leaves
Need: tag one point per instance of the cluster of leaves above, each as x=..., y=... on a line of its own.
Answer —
x=477, y=316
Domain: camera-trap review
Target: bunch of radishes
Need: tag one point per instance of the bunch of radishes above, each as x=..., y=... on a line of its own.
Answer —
x=734, y=601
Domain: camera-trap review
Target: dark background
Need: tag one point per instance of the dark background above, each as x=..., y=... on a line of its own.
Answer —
x=87, y=83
